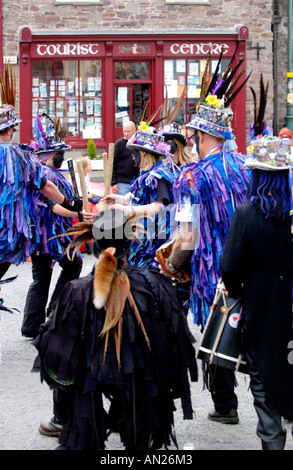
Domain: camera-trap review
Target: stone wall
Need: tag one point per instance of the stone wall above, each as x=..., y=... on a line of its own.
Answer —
x=159, y=15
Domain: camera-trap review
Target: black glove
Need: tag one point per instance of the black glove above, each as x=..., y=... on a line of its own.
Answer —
x=74, y=205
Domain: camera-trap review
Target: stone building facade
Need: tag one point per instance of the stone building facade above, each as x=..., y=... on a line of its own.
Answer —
x=265, y=45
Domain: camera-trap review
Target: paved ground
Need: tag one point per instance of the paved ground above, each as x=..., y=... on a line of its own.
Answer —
x=24, y=401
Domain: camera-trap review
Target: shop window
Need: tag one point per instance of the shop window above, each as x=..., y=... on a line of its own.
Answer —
x=130, y=102
x=132, y=91
x=72, y=91
x=181, y=72
x=131, y=70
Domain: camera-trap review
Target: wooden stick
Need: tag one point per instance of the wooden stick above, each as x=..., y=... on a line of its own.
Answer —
x=105, y=165
x=108, y=170
x=83, y=186
x=75, y=190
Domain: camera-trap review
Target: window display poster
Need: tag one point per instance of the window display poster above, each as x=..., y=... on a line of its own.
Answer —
x=122, y=97
x=180, y=66
x=89, y=107
x=193, y=68
x=70, y=87
x=193, y=80
x=192, y=92
x=168, y=66
x=172, y=89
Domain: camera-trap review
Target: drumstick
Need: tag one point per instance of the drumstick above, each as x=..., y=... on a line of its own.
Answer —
x=82, y=185
x=72, y=176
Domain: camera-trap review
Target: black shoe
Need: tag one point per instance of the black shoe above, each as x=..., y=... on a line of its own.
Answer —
x=225, y=418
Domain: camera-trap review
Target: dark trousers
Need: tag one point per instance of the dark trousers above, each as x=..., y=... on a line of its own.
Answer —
x=269, y=427
x=62, y=402
x=222, y=385
x=37, y=296
x=4, y=268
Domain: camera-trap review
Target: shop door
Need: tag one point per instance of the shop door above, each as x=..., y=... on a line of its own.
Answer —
x=132, y=92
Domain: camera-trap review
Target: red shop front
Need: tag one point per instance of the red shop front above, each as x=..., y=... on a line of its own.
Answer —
x=96, y=82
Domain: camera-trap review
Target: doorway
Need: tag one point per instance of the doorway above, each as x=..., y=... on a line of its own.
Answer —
x=132, y=92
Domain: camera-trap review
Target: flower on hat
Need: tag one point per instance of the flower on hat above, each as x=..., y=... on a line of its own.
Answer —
x=228, y=135
x=143, y=126
x=213, y=100
x=250, y=150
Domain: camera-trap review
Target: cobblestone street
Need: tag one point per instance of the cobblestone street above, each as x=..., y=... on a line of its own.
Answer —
x=24, y=401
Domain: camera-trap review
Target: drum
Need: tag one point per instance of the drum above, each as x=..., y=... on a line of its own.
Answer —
x=220, y=341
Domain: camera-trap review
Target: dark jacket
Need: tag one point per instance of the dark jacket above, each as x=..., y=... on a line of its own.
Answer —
x=126, y=163
x=143, y=390
x=257, y=264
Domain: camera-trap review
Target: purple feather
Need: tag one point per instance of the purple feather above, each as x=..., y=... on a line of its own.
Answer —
x=40, y=134
x=217, y=86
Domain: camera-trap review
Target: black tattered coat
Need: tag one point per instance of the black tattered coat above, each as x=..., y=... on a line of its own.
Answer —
x=143, y=390
x=257, y=264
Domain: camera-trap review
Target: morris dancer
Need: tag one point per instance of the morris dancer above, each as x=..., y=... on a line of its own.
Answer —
x=118, y=333
x=20, y=174
x=257, y=266
x=207, y=193
x=151, y=195
x=54, y=220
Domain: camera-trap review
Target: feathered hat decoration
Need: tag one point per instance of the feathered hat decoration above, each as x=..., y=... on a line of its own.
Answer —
x=169, y=128
x=146, y=137
x=259, y=126
x=48, y=142
x=8, y=117
x=266, y=152
x=111, y=286
x=213, y=113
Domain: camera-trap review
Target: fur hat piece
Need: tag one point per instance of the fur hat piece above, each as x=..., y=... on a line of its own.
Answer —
x=105, y=270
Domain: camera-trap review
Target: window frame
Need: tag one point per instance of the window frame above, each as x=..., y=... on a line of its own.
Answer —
x=79, y=98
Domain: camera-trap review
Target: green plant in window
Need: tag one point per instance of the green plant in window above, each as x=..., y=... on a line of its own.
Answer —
x=92, y=150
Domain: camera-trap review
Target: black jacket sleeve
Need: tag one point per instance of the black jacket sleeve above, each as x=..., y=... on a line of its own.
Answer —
x=233, y=258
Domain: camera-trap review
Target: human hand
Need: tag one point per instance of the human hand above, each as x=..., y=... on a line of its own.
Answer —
x=116, y=199
x=87, y=216
x=73, y=205
x=128, y=210
x=114, y=189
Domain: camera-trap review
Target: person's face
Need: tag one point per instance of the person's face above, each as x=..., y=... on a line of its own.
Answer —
x=10, y=133
x=142, y=158
x=195, y=140
x=57, y=160
x=89, y=166
x=173, y=146
x=128, y=131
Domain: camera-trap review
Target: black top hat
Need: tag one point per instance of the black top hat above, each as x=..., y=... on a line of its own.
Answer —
x=110, y=229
